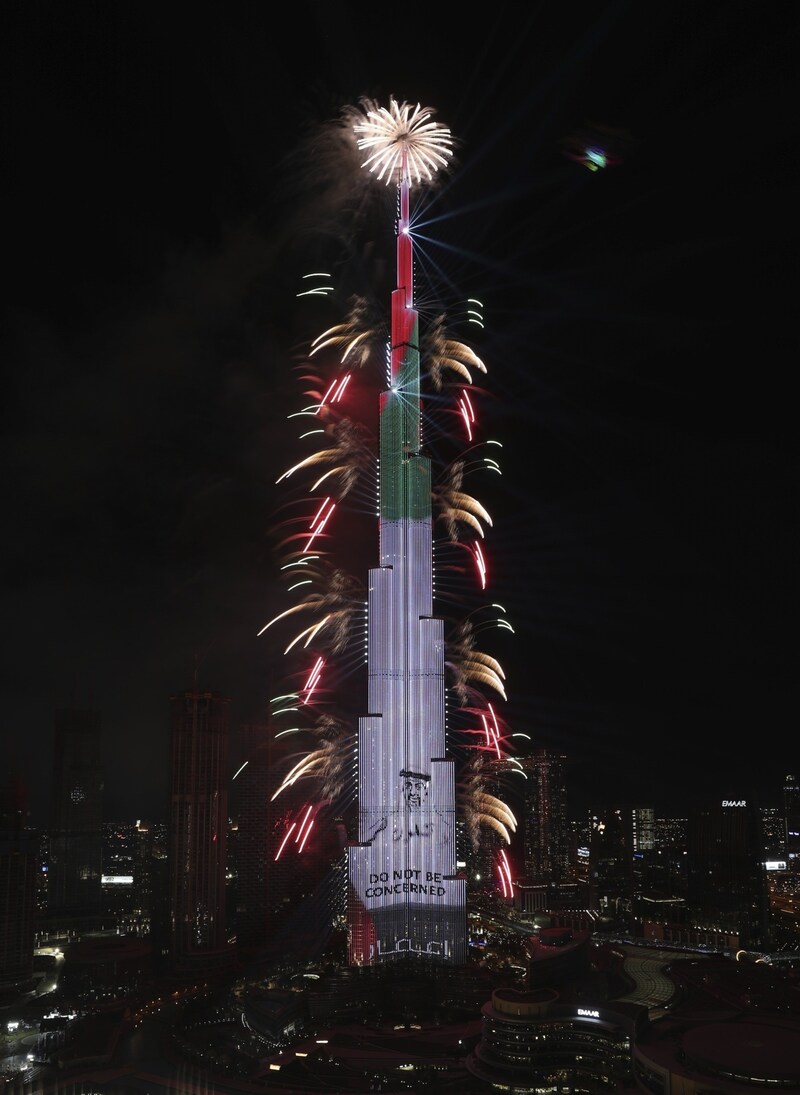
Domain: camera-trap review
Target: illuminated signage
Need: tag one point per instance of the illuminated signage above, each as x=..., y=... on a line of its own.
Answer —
x=589, y=1013
x=775, y=865
x=734, y=802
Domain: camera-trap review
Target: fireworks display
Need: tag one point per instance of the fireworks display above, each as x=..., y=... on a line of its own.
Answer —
x=403, y=141
x=342, y=475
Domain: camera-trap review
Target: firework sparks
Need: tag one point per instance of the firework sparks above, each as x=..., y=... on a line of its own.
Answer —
x=351, y=455
x=363, y=335
x=504, y=870
x=330, y=763
x=402, y=144
x=339, y=603
x=403, y=139
x=468, y=664
x=440, y=353
x=455, y=507
x=482, y=810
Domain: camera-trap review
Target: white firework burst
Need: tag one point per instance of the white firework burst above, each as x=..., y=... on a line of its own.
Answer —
x=403, y=140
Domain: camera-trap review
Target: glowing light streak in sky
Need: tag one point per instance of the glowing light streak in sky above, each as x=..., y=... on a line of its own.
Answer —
x=335, y=338
x=283, y=842
x=275, y=619
x=303, y=767
x=304, y=562
x=312, y=681
x=312, y=410
x=324, y=399
x=467, y=414
x=335, y=392
x=319, y=521
x=473, y=315
x=304, y=829
x=491, y=736
x=309, y=634
x=337, y=398
x=317, y=290
x=236, y=773
x=480, y=562
x=495, y=725
x=322, y=478
x=505, y=874
x=350, y=455
x=289, y=730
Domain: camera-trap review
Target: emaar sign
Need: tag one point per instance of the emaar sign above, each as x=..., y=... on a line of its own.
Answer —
x=734, y=802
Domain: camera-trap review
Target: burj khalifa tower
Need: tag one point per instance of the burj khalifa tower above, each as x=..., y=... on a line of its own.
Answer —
x=405, y=895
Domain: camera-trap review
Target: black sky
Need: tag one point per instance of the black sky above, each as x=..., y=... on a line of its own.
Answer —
x=167, y=177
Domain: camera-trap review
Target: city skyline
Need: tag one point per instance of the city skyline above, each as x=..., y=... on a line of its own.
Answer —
x=622, y=208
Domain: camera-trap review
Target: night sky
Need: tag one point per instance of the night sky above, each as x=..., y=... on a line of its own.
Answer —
x=168, y=176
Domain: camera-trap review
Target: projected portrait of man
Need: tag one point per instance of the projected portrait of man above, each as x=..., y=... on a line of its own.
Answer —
x=415, y=819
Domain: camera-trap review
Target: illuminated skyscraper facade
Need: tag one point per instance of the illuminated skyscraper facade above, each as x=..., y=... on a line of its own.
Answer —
x=791, y=813
x=405, y=897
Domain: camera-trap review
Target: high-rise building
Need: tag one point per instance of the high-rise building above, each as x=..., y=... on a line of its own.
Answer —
x=791, y=813
x=406, y=898
x=198, y=832
x=611, y=882
x=727, y=880
x=18, y=870
x=76, y=827
x=251, y=794
x=545, y=825
x=643, y=822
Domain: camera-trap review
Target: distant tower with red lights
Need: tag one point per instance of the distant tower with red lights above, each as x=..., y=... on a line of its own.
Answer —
x=198, y=832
